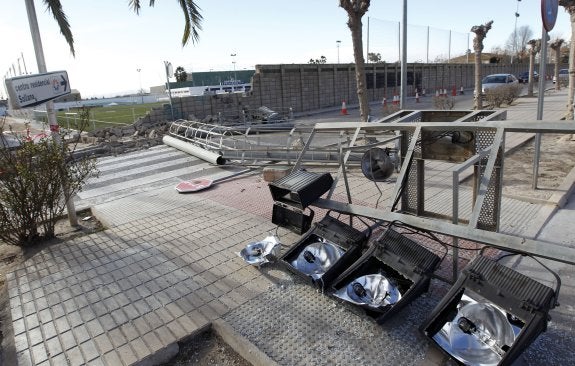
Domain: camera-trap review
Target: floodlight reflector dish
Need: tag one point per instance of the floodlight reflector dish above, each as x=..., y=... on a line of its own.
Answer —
x=258, y=253
x=317, y=258
x=374, y=290
x=479, y=334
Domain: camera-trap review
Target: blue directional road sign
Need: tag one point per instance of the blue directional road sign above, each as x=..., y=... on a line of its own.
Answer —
x=549, y=9
x=30, y=90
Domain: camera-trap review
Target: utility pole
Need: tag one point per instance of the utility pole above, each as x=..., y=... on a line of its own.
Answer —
x=54, y=128
x=140, y=91
x=234, y=62
x=403, y=88
x=169, y=71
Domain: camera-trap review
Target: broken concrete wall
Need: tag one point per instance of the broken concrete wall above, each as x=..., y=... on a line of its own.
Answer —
x=307, y=87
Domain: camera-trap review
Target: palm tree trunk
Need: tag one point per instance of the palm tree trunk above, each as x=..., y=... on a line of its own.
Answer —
x=360, y=74
x=478, y=98
x=556, y=69
x=355, y=10
x=480, y=34
x=531, y=69
x=571, y=92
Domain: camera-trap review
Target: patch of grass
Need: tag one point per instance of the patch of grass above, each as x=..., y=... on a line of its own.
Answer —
x=107, y=116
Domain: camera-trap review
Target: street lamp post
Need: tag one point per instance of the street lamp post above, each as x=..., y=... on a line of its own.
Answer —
x=234, y=63
x=168, y=66
x=140, y=91
x=338, y=42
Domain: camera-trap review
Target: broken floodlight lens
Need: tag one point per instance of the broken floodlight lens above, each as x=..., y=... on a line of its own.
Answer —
x=480, y=333
x=374, y=290
x=259, y=252
x=317, y=258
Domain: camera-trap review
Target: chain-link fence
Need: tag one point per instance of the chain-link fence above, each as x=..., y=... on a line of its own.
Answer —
x=425, y=44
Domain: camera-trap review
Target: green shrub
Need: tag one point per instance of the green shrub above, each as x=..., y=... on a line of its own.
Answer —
x=36, y=180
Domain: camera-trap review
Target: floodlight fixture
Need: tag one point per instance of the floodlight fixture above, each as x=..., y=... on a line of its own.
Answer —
x=325, y=251
x=376, y=164
x=490, y=315
x=394, y=271
x=293, y=194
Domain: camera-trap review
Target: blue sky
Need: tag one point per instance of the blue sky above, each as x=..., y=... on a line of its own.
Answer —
x=112, y=42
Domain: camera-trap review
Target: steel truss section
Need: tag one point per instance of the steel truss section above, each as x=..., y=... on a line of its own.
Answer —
x=490, y=153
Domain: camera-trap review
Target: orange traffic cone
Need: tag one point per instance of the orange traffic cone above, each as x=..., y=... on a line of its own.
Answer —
x=343, y=108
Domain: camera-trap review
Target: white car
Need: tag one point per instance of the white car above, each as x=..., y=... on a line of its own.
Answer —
x=563, y=76
x=497, y=80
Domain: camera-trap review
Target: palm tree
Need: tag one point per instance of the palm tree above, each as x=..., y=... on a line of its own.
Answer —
x=192, y=17
x=556, y=46
x=535, y=45
x=569, y=6
x=355, y=10
x=480, y=34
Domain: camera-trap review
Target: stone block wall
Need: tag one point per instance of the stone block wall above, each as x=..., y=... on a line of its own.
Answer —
x=308, y=87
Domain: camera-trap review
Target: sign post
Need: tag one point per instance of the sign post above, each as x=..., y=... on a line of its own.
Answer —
x=54, y=128
x=549, y=9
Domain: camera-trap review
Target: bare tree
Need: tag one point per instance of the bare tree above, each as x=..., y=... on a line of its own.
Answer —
x=535, y=47
x=556, y=46
x=517, y=42
x=355, y=10
x=480, y=34
x=569, y=6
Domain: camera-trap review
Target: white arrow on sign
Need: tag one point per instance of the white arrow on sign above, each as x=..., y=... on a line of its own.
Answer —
x=31, y=90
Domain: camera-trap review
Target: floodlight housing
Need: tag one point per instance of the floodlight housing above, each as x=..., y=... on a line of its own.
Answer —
x=325, y=251
x=300, y=188
x=292, y=194
x=389, y=275
x=490, y=315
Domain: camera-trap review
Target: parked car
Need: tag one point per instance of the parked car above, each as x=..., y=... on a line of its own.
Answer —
x=563, y=76
x=524, y=77
x=497, y=80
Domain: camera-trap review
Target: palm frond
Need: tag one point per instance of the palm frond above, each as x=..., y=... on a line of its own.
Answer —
x=135, y=5
x=194, y=12
x=55, y=7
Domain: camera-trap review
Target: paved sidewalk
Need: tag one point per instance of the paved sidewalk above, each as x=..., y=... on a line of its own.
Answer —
x=167, y=267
